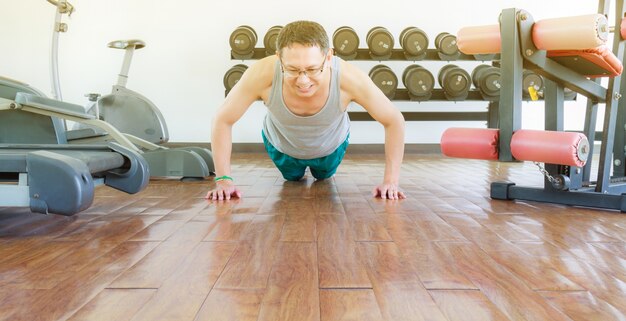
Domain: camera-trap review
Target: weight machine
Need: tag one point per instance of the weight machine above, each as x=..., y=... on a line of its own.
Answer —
x=526, y=44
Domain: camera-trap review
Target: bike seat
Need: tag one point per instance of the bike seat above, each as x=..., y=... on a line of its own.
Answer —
x=125, y=44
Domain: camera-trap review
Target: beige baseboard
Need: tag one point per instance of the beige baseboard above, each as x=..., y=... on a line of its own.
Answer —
x=352, y=148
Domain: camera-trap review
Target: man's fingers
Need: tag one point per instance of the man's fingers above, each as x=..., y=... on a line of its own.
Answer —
x=221, y=195
x=388, y=192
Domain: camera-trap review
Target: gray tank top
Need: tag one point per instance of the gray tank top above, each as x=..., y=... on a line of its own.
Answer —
x=306, y=137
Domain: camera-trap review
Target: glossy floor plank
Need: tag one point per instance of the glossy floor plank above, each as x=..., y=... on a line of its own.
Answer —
x=399, y=293
x=319, y=250
x=231, y=305
x=57, y=304
x=159, y=264
x=340, y=265
x=292, y=290
x=349, y=305
x=182, y=294
x=114, y=305
x=251, y=264
x=514, y=298
x=467, y=305
x=583, y=306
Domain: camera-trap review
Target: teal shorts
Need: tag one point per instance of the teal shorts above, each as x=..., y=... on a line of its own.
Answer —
x=293, y=168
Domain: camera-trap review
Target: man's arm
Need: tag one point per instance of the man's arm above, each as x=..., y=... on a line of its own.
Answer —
x=364, y=92
x=247, y=90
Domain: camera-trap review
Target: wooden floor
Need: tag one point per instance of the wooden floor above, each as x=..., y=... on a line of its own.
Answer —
x=318, y=251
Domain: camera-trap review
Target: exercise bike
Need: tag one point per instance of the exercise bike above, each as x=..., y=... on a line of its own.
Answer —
x=132, y=114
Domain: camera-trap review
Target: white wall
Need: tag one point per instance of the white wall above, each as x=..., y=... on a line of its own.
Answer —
x=187, y=52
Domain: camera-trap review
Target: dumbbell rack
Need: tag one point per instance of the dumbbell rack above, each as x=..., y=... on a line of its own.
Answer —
x=396, y=54
x=491, y=116
x=402, y=94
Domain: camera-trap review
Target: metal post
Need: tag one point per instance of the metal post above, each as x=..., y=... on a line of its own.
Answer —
x=619, y=148
x=128, y=57
x=610, y=113
x=591, y=118
x=492, y=114
x=554, y=111
x=554, y=104
x=510, y=111
x=619, y=144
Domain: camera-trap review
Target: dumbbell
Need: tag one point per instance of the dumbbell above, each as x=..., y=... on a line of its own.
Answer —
x=534, y=81
x=242, y=42
x=385, y=79
x=380, y=43
x=455, y=82
x=345, y=42
x=414, y=42
x=419, y=82
x=269, y=40
x=446, y=46
x=232, y=76
x=486, y=79
x=531, y=79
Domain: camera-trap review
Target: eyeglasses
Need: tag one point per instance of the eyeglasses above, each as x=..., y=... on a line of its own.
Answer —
x=309, y=73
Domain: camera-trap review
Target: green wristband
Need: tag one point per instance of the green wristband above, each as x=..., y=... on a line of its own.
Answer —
x=221, y=178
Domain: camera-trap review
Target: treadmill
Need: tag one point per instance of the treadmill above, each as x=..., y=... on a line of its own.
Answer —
x=40, y=170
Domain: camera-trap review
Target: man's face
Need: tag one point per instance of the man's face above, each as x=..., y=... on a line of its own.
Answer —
x=304, y=69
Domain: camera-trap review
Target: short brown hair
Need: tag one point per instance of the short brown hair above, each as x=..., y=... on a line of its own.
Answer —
x=307, y=33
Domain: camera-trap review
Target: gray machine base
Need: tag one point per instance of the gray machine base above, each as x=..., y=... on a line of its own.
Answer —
x=509, y=191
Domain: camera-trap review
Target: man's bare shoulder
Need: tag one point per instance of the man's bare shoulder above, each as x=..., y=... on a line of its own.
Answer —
x=257, y=78
x=352, y=78
x=264, y=67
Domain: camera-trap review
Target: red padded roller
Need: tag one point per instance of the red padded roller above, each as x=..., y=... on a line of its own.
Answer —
x=568, y=33
x=479, y=39
x=476, y=143
x=571, y=33
x=598, y=61
x=564, y=148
